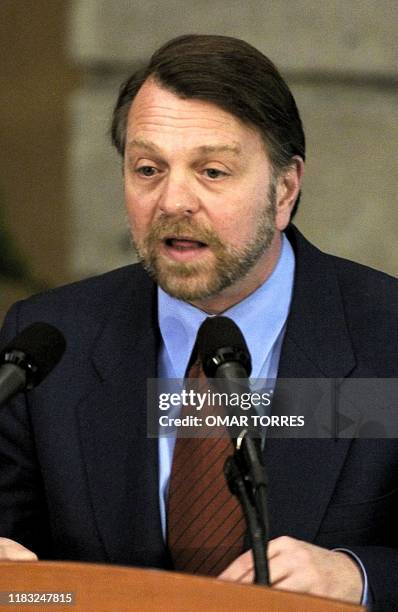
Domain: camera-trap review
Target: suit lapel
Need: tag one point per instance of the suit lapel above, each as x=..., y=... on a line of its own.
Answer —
x=121, y=462
x=303, y=473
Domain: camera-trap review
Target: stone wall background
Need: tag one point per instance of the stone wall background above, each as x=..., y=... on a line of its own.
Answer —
x=61, y=63
x=36, y=79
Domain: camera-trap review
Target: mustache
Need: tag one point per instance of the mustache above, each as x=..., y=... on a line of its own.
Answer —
x=164, y=228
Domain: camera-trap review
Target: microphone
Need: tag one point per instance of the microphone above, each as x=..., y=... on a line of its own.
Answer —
x=223, y=349
x=225, y=357
x=29, y=358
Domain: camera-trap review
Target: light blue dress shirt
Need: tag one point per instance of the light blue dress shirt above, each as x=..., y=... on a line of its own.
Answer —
x=261, y=318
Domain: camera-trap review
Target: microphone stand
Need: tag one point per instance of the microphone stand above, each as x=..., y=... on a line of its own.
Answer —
x=227, y=363
x=245, y=475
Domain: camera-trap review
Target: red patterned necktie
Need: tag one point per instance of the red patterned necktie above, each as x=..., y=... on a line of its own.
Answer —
x=206, y=526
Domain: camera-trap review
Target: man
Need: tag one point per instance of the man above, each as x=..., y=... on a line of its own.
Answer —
x=213, y=156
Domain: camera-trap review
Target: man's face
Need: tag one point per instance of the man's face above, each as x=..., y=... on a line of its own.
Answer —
x=201, y=199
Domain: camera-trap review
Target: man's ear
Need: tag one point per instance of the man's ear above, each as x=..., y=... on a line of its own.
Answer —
x=287, y=191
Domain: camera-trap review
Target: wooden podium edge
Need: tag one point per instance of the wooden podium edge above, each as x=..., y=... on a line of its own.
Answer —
x=104, y=588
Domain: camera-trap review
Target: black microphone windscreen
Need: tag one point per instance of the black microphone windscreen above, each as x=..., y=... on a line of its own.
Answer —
x=221, y=332
x=43, y=345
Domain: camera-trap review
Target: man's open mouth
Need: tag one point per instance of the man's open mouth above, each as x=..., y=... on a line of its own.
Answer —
x=183, y=243
x=184, y=249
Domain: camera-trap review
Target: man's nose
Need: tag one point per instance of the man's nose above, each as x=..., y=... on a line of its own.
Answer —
x=178, y=197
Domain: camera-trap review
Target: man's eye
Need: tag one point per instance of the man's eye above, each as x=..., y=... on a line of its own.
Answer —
x=213, y=173
x=146, y=171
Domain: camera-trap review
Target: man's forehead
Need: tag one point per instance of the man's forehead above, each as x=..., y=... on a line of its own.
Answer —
x=155, y=103
x=146, y=144
x=160, y=120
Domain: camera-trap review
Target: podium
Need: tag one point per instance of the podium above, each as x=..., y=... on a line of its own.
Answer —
x=105, y=588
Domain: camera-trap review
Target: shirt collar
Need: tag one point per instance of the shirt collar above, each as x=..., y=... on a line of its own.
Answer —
x=261, y=317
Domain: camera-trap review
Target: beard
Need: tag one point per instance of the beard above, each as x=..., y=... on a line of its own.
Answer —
x=198, y=280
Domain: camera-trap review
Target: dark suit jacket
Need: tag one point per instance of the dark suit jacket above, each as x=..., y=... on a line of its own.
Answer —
x=79, y=477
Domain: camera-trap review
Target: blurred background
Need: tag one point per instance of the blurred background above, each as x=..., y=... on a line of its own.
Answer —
x=61, y=63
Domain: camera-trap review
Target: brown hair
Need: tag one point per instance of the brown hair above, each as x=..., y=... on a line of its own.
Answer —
x=231, y=74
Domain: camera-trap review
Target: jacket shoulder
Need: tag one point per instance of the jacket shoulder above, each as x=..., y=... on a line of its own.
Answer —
x=370, y=302
x=365, y=286
x=95, y=287
x=84, y=305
